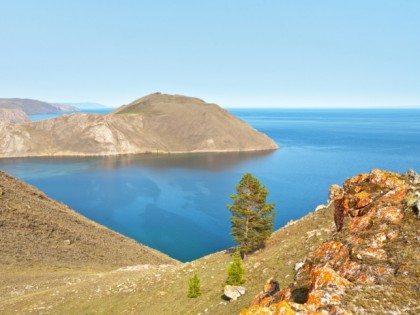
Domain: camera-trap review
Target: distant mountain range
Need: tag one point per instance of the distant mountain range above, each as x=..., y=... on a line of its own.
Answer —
x=84, y=105
x=34, y=107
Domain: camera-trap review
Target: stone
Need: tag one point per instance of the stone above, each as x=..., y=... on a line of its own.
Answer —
x=360, y=224
x=326, y=278
x=339, y=213
x=378, y=240
x=332, y=252
x=393, y=214
x=377, y=253
x=335, y=193
x=67, y=242
x=233, y=292
x=271, y=286
x=282, y=308
x=377, y=177
x=264, y=298
x=355, y=181
x=363, y=198
x=322, y=298
x=413, y=177
x=349, y=270
x=392, y=234
x=298, y=265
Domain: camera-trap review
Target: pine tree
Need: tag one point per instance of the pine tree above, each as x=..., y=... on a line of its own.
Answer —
x=194, y=286
x=252, y=218
x=236, y=270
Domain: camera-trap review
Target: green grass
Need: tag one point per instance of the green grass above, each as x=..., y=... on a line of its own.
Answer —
x=96, y=291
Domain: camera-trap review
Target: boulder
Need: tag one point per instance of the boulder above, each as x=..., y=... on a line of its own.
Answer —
x=413, y=177
x=233, y=292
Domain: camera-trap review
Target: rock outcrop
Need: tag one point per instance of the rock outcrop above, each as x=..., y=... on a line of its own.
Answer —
x=369, y=211
x=13, y=116
x=157, y=123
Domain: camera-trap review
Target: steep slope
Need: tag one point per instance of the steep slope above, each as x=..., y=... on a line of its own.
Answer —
x=154, y=124
x=13, y=116
x=305, y=245
x=38, y=231
x=33, y=107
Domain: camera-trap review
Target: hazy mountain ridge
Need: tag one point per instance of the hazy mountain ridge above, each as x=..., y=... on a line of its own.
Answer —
x=83, y=105
x=34, y=107
x=156, y=123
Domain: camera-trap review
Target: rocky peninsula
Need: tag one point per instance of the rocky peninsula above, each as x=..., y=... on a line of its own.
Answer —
x=157, y=123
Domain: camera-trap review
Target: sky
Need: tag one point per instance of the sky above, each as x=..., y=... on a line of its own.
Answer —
x=279, y=53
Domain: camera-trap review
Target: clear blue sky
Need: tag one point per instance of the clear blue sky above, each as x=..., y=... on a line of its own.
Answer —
x=313, y=53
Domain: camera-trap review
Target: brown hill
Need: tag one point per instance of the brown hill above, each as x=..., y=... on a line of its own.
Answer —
x=157, y=123
x=38, y=231
x=14, y=116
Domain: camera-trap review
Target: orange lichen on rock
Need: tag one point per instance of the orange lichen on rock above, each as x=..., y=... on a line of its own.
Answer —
x=322, y=298
x=394, y=196
x=378, y=241
x=393, y=214
x=324, y=277
x=281, y=308
x=377, y=253
x=355, y=180
x=367, y=210
x=360, y=224
x=332, y=252
x=349, y=270
x=363, y=198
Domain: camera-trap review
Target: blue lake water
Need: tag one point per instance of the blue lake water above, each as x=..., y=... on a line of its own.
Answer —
x=177, y=203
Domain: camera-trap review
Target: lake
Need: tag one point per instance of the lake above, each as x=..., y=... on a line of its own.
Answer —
x=177, y=203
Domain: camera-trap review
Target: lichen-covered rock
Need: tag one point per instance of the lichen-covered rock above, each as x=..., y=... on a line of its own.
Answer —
x=363, y=198
x=326, y=278
x=360, y=224
x=332, y=252
x=265, y=297
x=368, y=210
x=392, y=214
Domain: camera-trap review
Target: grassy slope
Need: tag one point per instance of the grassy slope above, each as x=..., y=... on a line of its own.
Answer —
x=38, y=232
x=158, y=289
x=161, y=289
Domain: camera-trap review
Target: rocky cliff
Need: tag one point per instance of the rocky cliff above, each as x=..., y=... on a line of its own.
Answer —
x=157, y=123
x=33, y=107
x=370, y=265
x=13, y=116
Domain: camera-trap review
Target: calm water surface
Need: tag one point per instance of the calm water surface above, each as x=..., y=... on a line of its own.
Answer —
x=177, y=203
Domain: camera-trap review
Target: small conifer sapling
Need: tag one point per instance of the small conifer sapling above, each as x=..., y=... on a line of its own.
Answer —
x=236, y=270
x=194, y=286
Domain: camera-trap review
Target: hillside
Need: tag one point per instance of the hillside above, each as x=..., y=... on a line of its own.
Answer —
x=157, y=123
x=386, y=284
x=37, y=231
x=14, y=116
x=33, y=107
